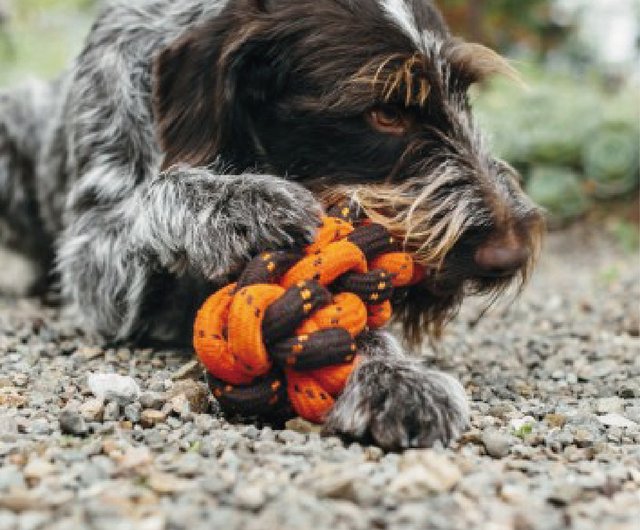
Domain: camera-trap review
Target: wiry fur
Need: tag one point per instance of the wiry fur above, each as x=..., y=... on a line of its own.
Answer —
x=191, y=134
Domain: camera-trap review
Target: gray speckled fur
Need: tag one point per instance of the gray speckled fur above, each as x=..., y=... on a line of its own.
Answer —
x=79, y=165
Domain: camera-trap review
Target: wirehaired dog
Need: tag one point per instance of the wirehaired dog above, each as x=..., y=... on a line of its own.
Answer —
x=191, y=134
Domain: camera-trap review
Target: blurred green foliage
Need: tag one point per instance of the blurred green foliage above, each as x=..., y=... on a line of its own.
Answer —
x=574, y=141
x=40, y=36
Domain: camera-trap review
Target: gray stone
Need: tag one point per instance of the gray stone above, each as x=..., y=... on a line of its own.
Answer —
x=249, y=497
x=609, y=405
x=92, y=409
x=10, y=478
x=616, y=420
x=71, y=422
x=133, y=411
x=111, y=411
x=290, y=437
x=113, y=387
x=496, y=443
x=152, y=400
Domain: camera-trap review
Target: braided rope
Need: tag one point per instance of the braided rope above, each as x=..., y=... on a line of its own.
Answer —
x=282, y=338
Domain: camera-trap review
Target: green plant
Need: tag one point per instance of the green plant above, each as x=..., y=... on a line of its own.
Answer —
x=559, y=191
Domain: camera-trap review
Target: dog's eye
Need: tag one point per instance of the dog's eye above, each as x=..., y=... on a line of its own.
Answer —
x=388, y=119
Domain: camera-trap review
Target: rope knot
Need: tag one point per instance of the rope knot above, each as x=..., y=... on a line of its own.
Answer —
x=282, y=339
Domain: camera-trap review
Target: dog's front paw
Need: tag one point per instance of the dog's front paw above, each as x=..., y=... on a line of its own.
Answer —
x=291, y=215
x=397, y=403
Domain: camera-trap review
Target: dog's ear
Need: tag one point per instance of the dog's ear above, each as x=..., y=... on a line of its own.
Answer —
x=208, y=85
x=473, y=63
x=184, y=80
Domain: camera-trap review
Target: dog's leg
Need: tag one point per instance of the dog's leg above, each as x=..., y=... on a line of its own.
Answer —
x=186, y=220
x=396, y=402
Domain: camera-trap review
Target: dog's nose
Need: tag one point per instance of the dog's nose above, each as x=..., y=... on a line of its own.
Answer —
x=501, y=257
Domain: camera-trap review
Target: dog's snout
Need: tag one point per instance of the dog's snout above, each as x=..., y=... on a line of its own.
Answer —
x=501, y=256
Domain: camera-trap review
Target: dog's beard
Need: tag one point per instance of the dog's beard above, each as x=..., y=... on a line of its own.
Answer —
x=432, y=221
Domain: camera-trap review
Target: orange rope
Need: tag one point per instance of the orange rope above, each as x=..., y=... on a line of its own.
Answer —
x=278, y=338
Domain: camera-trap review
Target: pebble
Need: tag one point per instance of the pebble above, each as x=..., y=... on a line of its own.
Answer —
x=151, y=417
x=37, y=469
x=496, y=443
x=111, y=411
x=133, y=412
x=195, y=394
x=165, y=483
x=152, y=400
x=616, y=420
x=119, y=388
x=92, y=409
x=290, y=437
x=249, y=497
x=191, y=370
x=609, y=405
x=71, y=422
x=424, y=472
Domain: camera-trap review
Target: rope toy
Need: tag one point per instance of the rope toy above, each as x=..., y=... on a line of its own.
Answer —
x=282, y=339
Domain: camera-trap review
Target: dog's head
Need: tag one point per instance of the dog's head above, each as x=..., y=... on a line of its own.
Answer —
x=364, y=99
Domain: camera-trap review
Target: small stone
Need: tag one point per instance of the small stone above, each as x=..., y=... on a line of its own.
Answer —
x=92, y=409
x=40, y=426
x=555, y=420
x=151, y=417
x=9, y=397
x=133, y=458
x=514, y=494
x=89, y=352
x=333, y=481
x=21, y=501
x=10, y=477
x=132, y=412
x=190, y=370
x=583, y=437
x=111, y=411
x=302, y=426
x=424, y=472
x=564, y=493
x=165, y=483
x=71, y=422
x=628, y=391
x=37, y=469
x=123, y=354
x=250, y=497
x=633, y=414
x=609, y=405
x=251, y=432
x=616, y=420
x=290, y=437
x=496, y=443
x=113, y=387
x=20, y=380
x=196, y=394
x=180, y=405
x=152, y=400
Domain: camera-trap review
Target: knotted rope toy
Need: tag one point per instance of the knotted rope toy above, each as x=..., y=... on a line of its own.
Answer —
x=282, y=339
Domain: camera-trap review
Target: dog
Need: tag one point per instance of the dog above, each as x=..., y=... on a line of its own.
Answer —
x=189, y=135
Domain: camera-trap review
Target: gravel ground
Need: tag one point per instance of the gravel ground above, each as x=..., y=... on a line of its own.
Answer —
x=554, y=383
